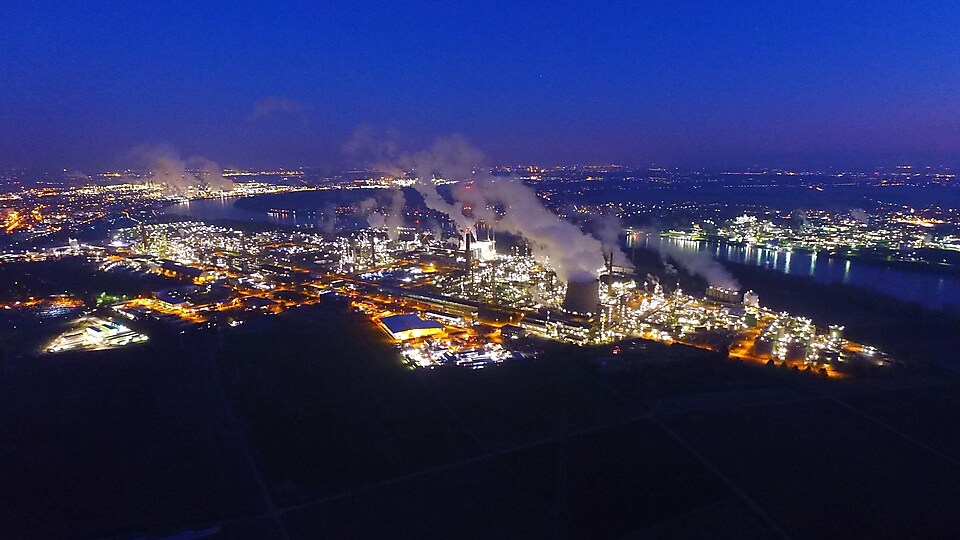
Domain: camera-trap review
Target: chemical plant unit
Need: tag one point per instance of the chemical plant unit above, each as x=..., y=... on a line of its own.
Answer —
x=457, y=300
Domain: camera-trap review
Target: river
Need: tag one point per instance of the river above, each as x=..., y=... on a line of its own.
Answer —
x=932, y=289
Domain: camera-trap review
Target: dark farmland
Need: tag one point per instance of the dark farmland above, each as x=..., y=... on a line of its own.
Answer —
x=306, y=425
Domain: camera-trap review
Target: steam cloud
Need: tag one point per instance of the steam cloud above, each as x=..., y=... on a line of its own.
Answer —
x=575, y=255
x=607, y=228
x=860, y=215
x=276, y=105
x=699, y=263
x=505, y=204
x=391, y=218
x=178, y=175
x=327, y=218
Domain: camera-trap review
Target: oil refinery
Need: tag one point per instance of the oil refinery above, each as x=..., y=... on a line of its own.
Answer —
x=460, y=299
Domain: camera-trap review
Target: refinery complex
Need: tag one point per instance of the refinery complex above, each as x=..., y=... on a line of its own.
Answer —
x=436, y=278
x=458, y=299
x=596, y=270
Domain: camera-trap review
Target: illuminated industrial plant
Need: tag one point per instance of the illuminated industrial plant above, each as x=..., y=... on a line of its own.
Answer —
x=454, y=295
x=458, y=300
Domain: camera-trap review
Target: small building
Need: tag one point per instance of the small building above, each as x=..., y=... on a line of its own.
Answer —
x=209, y=296
x=509, y=331
x=174, y=297
x=409, y=326
x=258, y=303
x=189, y=273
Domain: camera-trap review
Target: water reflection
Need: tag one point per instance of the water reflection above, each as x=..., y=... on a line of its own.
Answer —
x=930, y=289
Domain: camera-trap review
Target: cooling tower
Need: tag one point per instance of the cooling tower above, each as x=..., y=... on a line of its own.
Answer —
x=582, y=297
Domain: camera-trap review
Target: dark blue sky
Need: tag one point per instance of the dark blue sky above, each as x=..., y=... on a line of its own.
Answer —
x=700, y=83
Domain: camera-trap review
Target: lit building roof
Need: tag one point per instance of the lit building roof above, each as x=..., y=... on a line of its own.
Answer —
x=409, y=326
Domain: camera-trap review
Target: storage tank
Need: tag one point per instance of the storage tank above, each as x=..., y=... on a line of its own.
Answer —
x=796, y=351
x=763, y=346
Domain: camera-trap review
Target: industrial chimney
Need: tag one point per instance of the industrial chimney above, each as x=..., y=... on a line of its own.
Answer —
x=467, y=235
x=582, y=296
x=609, y=261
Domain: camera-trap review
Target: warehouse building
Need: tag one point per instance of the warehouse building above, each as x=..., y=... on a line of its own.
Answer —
x=409, y=326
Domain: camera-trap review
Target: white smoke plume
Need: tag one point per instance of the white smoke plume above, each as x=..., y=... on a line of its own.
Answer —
x=366, y=206
x=700, y=263
x=435, y=231
x=388, y=214
x=455, y=159
x=377, y=147
x=327, y=218
x=860, y=215
x=607, y=229
x=368, y=210
x=504, y=204
x=394, y=218
x=510, y=205
x=177, y=175
x=376, y=220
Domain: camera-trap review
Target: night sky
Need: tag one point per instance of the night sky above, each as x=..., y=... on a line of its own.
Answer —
x=724, y=84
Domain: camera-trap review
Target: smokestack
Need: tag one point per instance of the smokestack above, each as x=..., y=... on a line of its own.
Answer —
x=582, y=297
x=468, y=253
x=610, y=275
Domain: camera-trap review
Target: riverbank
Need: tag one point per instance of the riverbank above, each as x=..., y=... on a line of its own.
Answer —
x=935, y=290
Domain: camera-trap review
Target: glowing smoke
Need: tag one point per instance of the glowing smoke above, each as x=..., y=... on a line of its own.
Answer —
x=389, y=214
x=394, y=218
x=327, y=218
x=505, y=204
x=607, y=229
x=575, y=255
x=368, y=209
x=860, y=215
x=378, y=148
x=700, y=263
x=456, y=160
x=178, y=175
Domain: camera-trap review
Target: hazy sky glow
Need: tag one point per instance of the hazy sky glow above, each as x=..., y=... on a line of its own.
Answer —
x=677, y=83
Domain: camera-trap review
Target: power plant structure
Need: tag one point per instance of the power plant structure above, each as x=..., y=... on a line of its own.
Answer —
x=477, y=250
x=452, y=314
x=582, y=297
x=723, y=294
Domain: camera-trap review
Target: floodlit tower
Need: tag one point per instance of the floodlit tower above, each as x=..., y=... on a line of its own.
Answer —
x=373, y=250
x=162, y=248
x=143, y=235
